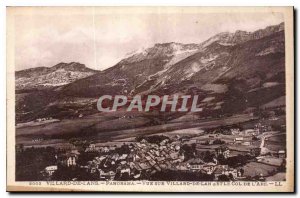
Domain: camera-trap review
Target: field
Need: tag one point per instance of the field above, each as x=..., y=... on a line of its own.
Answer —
x=189, y=131
x=275, y=103
x=254, y=168
x=276, y=142
x=277, y=177
x=103, y=127
x=280, y=121
x=34, y=123
x=271, y=160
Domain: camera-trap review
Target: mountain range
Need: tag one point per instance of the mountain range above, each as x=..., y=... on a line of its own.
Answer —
x=229, y=71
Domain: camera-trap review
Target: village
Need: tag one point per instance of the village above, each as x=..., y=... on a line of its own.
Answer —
x=207, y=157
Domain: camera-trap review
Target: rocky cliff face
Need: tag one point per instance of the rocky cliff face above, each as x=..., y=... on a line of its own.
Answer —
x=239, y=36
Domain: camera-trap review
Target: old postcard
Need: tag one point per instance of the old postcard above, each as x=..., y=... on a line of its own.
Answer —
x=150, y=99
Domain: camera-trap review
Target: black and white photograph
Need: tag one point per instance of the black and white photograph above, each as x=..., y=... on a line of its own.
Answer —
x=150, y=99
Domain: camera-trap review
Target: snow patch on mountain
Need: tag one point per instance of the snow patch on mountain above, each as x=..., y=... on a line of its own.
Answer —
x=135, y=52
x=267, y=51
x=194, y=68
x=208, y=59
x=180, y=55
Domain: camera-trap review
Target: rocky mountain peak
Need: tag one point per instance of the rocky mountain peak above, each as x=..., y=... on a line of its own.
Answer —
x=72, y=66
x=241, y=36
x=159, y=50
x=57, y=75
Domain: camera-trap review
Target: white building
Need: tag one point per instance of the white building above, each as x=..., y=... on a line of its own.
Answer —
x=51, y=169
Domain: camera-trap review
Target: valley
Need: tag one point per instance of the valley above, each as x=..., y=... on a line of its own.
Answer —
x=239, y=135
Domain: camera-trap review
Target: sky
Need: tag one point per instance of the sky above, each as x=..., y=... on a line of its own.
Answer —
x=100, y=39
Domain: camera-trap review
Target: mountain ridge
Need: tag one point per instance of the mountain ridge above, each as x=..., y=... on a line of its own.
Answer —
x=211, y=68
x=57, y=75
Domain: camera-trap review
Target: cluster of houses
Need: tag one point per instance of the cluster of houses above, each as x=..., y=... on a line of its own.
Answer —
x=43, y=119
x=143, y=160
x=258, y=129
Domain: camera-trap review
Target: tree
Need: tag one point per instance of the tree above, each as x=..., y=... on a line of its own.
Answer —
x=79, y=143
x=124, y=149
x=32, y=161
x=154, y=139
x=242, y=171
x=221, y=159
x=188, y=151
x=218, y=141
x=208, y=156
x=223, y=178
x=282, y=167
x=254, y=138
x=238, y=160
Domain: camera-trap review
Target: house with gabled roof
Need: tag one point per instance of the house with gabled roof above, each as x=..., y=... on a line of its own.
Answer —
x=195, y=164
x=69, y=159
x=123, y=156
x=223, y=150
x=225, y=170
x=144, y=141
x=115, y=156
x=110, y=175
x=209, y=167
x=145, y=165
